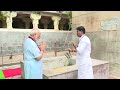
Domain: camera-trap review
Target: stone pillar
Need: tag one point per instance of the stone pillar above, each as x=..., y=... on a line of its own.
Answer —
x=45, y=22
x=9, y=15
x=35, y=20
x=27, y=23
x=56, y=22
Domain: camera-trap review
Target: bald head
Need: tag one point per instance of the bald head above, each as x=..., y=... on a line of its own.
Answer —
x=35, y=34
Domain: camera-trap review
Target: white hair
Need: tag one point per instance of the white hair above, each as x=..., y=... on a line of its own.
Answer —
x=34, y=31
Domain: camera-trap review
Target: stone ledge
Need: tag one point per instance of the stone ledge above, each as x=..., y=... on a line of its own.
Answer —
x=67, y=69
x=60, y=70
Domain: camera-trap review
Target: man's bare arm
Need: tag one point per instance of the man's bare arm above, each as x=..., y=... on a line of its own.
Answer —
x=40, y=57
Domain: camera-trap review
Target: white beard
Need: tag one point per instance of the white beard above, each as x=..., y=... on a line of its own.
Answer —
x=37, y=42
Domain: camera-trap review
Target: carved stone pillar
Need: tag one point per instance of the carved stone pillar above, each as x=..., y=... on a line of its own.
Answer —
x=35, y=20
x=56, y=22
x=9, y=15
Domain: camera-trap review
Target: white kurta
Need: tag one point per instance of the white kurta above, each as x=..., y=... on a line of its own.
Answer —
x=83, y=59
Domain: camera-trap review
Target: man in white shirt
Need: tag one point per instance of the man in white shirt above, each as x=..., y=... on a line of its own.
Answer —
x=83, y=59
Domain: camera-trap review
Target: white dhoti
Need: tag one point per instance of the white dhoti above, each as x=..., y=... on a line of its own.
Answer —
x=85, y=72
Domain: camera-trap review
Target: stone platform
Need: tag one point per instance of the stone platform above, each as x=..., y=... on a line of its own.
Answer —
x=62, y=68
x=100, y=69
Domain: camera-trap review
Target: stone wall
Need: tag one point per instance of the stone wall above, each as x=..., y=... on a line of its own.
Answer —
x=96, y=20
x=11, y=41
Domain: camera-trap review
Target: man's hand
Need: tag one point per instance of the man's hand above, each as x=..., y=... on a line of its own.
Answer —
x=42, y=46
x=69, y=49
x=75, y=45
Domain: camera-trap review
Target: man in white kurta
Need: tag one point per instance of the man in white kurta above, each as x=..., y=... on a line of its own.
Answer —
x=32, y=67
x=83, y=59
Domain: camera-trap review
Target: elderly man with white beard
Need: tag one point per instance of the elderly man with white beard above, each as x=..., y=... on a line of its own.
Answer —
x=33, y=56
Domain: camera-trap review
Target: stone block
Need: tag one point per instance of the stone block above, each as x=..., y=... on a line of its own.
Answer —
x=112, y=36
x=118, y=36
x=110, y=46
